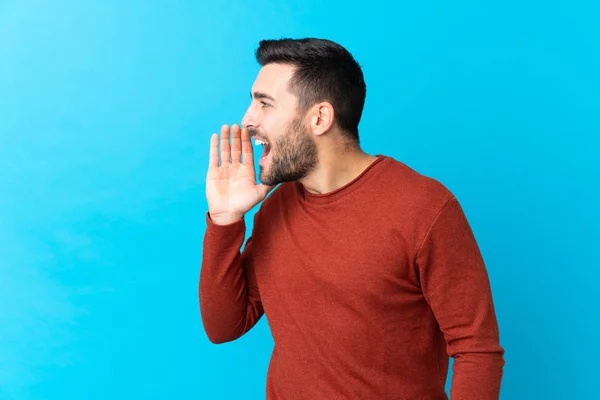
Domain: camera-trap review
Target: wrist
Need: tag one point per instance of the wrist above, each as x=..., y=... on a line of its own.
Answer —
x=225, y=219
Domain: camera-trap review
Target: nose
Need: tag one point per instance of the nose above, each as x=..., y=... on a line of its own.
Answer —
x=249, y=119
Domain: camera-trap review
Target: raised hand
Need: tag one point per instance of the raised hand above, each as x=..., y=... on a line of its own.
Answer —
x=231, y=188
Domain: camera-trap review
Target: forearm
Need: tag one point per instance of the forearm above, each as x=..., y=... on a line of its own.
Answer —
x=228, y=305
x=477, y=376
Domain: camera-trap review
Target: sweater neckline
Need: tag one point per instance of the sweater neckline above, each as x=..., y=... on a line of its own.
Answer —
x=325, y=198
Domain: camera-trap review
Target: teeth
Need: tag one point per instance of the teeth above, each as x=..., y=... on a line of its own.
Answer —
x=258, y=141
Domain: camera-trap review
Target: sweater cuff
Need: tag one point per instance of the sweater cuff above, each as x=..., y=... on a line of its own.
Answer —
x=223, y=236
x=224, y=229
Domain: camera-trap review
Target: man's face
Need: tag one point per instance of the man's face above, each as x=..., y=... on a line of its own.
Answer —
x=290, y=152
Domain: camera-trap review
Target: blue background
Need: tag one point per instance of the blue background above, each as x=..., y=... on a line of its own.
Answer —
x=106, y=110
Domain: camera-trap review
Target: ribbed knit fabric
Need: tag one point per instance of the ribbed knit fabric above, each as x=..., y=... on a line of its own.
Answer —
x=368, y=290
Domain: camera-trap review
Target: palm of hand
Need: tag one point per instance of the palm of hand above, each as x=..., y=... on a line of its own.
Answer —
x=231, y=187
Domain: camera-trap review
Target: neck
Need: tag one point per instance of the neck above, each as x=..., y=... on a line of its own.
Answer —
x=337, y=167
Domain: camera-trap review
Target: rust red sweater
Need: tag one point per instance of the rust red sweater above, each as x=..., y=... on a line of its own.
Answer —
x=368, y=290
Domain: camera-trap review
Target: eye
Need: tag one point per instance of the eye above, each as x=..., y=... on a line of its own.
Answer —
x=264, y=104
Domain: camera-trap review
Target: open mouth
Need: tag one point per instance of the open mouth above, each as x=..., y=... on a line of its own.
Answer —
x=266, y=147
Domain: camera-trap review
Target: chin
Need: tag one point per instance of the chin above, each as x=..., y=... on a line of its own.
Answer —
x=263, y=175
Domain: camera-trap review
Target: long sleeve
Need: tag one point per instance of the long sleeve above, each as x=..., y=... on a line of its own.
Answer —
x=229, y=298
x=457, y=288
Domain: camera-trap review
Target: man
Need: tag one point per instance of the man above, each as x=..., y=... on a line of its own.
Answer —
x=368, y=271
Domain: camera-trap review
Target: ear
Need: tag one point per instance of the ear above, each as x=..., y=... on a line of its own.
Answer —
x=321, y=118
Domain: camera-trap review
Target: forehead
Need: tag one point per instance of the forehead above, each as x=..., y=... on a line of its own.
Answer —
x=273, y=79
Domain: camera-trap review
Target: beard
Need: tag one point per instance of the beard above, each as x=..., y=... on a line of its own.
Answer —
x=293, y=156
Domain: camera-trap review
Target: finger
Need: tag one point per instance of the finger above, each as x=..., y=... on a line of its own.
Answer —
x=236, y=145
x=213, y=158
x=225, y=147
x=247, y=151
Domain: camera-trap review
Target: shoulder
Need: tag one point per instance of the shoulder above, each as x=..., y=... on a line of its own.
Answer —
x=416, y=200
x=413, y=188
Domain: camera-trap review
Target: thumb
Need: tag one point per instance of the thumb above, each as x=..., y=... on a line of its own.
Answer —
x=264, y=189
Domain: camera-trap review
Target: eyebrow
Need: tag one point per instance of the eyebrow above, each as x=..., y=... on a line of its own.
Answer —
x=261, y=95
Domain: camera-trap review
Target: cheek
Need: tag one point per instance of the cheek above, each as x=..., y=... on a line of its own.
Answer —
x=273, y=130
x=275, y=123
